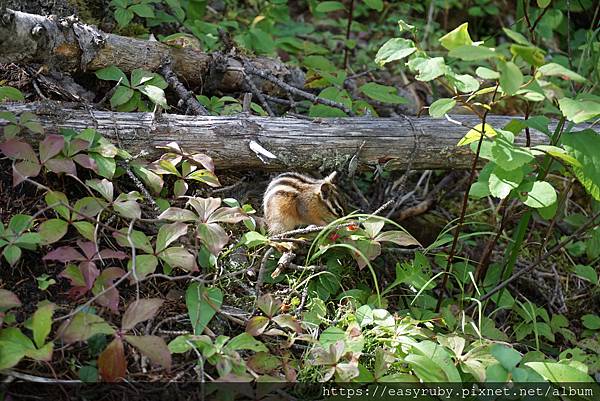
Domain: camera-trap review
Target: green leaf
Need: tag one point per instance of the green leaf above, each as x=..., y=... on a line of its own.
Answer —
x=465, y=83
x=587, y=273
x=143, y=10
x=121, y=96
x=432, y=363
x=140, y=76
x=112, y=73
x=319, y=63
x=88, y=374
x=537, y=194
x=559, y=373
x=508, y=357
x=592, y=245
x=516, y=36
x=19, y=223
x=591, y=322
x=531, y=54
x=205, y=176
x=553, y=69
x=472, y=53
x=7, y=92
x=85, y=228
x=394, y=49
x=507, y=155
x=82, y=326
x=12, y=254
x=583, y=146
x=13, y=347
x=245, y=341
x=253, y=239
x=179, y=256
x=511, y=77
x=428, y=68
x=579, y=110
x=502, y=182
x=457, y=37
x=329, y=6
x=139, y=239
x=41, y=323
x=169, y=233
x=123, y=16
x=144, y=265
x=155, y=94
x=202, y=304
x=441, y=107
x=558, y=153
x=543, y=3
x=382, y=93
x=475, y=133
x=375, y=4
x=486, y=73
x=52, y=230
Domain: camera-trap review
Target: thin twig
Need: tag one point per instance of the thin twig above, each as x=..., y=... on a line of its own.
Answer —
x=187, y=96
x=589, y=224
x=259, y=95
x=463, y=210
x=250, y=69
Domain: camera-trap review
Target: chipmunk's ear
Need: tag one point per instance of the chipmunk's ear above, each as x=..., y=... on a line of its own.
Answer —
x=330, y=178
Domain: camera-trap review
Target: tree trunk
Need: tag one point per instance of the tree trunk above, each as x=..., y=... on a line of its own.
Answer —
x=67, y=45
x=298, y=144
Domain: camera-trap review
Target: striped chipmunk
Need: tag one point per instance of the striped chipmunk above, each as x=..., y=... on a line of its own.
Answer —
x=293, y=199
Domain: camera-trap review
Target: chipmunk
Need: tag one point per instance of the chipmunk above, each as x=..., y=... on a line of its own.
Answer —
x=293, y=199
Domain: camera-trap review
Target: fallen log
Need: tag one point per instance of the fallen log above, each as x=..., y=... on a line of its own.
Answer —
x=68, y=45
x=297, y=144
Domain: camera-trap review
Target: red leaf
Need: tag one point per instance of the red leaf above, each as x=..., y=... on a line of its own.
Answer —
x=24, y=169
x=61, y=165
x=86, y=162
x=111, y=362
x=213, y=236
x=257, y=325
x=89, y=249
x=8, y=299
x=288, y=321
x=51, y=146
x=109, y=299
x=139, y=311
x=205, y=161
x=89, y=271
x=15, y=149
x=77, y=145
x=153, y=347
x=64, y=254
x=178, y=256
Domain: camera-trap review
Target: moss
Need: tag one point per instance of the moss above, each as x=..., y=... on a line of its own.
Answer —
x=90, y=11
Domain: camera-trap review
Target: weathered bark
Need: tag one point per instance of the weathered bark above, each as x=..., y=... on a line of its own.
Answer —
x=68, y=45
x=299, y=144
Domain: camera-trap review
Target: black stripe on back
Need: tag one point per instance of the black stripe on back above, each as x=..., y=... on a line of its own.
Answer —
x=287, y=181
x=300, y=177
